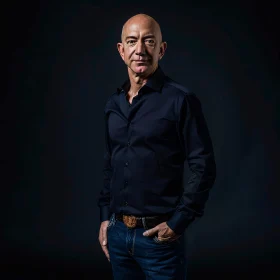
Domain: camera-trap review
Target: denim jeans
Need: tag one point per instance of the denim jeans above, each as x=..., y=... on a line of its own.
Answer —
x=134, y=256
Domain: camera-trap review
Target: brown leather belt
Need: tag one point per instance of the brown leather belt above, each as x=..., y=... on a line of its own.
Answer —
x=133, y=221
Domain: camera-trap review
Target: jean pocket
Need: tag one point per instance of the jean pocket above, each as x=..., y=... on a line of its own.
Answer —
x=112, y=221
x=173, y=242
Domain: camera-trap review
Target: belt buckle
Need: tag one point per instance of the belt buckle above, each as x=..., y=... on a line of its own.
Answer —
x=129, y=221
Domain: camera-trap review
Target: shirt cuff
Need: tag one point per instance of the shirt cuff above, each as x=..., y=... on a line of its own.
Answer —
x=180, y=221
x=105, y=214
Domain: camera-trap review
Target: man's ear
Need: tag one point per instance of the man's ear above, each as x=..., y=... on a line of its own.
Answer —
x=121, y=50
x=162, y=49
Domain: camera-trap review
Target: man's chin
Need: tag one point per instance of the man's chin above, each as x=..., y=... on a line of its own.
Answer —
x=140, y=69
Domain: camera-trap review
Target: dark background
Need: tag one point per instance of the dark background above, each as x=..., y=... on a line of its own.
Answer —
x=62, y=66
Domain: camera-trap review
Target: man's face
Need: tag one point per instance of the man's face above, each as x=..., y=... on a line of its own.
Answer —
x=141, y=46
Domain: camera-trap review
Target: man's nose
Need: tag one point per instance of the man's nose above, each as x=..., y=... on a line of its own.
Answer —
x=140, y=48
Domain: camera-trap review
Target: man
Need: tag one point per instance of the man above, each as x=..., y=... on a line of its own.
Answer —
x=153, y=126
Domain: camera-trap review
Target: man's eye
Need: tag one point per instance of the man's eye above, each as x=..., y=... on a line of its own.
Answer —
x=150, y=42
x=131, y=42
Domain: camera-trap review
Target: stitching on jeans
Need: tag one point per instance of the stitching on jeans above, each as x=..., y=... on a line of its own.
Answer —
x=144, y=222
x=133, y=242
x=145, y=227
x=111, y=221
x=114, y=219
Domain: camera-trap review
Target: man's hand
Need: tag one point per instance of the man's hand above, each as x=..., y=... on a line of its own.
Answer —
x=103, y=238
x=164, y=232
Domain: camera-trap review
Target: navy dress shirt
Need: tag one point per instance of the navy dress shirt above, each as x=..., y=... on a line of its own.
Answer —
x=147, y=144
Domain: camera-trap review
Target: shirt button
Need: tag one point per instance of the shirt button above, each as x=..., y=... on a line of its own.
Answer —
x=126, y=182
x=126, y=164
x=128, y=143
x=125, y=203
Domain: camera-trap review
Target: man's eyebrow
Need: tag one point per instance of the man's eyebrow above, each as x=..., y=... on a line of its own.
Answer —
x=149, y=36
x=130, y=37
x=146, y=36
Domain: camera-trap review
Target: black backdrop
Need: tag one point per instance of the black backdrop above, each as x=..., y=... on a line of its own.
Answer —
x=63, y=64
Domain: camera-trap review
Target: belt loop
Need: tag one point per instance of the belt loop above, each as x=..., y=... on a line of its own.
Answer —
x=144, y=223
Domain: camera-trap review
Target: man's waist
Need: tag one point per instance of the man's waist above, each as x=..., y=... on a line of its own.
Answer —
x=146, y=222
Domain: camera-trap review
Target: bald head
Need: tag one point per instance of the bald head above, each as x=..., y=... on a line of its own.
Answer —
x=141, y=45
x=141, y=20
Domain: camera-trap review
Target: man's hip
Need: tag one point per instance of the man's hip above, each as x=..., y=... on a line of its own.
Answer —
x=133, y=254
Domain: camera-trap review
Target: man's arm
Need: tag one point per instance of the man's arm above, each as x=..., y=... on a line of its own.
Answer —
x=104, y=198
x=198, y=149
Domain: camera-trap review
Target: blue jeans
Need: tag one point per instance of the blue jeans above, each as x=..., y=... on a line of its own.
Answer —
x=134, y=256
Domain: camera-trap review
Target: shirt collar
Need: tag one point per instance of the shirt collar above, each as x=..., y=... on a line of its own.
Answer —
x=155, y=81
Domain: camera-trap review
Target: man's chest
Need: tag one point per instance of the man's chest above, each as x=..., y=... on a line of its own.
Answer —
x=146, y=119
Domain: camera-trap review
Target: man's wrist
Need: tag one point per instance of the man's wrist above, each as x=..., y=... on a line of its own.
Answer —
x=180, y=221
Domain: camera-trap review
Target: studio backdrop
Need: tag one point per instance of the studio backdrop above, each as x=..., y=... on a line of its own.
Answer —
x=63, y=66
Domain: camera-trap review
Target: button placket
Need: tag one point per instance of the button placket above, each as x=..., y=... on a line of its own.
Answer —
x=125, y=185
x=125, y=203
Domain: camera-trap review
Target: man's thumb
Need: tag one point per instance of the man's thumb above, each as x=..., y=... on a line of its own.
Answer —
x=150, y=232
x=104, y=238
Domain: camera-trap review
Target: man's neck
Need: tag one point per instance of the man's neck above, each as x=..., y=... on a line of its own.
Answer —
x=137, y=81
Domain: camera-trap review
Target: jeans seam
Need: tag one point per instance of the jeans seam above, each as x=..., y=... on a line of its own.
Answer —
x=112, y=221
x=144, y=223
x=132, y=249
x=146, y=227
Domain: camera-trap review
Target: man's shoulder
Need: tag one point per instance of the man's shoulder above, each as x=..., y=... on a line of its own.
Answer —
x=110, y=101
x=111, y=97
x=176, y=87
